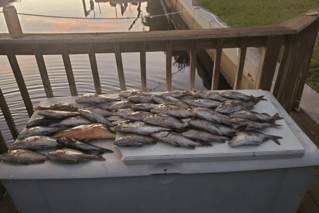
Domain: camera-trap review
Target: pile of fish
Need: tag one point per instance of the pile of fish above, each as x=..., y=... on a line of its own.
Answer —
x=179, y=118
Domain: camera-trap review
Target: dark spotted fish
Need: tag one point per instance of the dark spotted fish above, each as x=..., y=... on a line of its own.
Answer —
x=57, y=106
x=211, y=115
x=94, y=117
x=172, y=111
x=137, y=116
x=127, y=93
x=139, y=127
x=66, y=155
x=204, y=136
x=143, y=106
x=35, y=143
x=209, y=94
x=74, y=121
x=204, y=103
x=39, y=130
x=140, y=99
x=177, y=93
x=165, y=121
x=231, y=106
x=23, y=156
x=91, y=98
x=213, y=128
x=240, y=96
x=121, y=105
x=165, y=99
x=55, y=114
x=251, y=138
x=122, y=112
x=250, y=125
x=41, y=122
x=134, y=140
x=175, y=139
x=255, y=116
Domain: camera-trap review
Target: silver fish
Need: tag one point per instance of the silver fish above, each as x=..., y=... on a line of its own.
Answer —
x=213, y=128
x=165, y=99
x=177, y=93
x=204, y=136
x=41, y=122
x=209, y=94
x=23, y=156
x=92, y=116
x=84, y=147
x=57, y=106
x=240, y=96
x=140, y=98
x=231, y=106
x=251, y=138
x=137, y=116
x=211, y=115
x=121, y=105
x=175, y=139
x=118, y=127
x=205, y=103
x=172, y=111
x=35, y=143
x=143, y=106
x=74, y=121
x=66, y=155
x=251, y=125
x=142, y=128
x=100, y=111
x=92, y=98
x=127, y=93
x=255, y=116
x=165, y=121
x=38, y=131
x=134, y=140
x=122, y=112
x=55, y=114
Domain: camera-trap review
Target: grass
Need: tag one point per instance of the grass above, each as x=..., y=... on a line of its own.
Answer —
x=245, y=13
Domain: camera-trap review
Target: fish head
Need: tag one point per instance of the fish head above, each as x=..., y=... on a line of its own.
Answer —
x=65, y=141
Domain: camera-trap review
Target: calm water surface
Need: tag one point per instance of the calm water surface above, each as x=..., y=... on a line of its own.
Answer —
x=80, y=63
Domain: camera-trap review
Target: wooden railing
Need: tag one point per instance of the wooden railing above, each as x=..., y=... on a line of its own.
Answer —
x=297, y=35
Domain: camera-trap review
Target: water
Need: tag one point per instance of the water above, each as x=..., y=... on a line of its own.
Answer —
x=155, y=65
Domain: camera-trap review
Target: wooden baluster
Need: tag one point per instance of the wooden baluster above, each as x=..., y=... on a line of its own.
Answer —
x=268, y=62
x=119, y=64
x=192, y=66
x=7, y=115
x=94, y=68
x=3, y=145
x=68, y=70
x=240, y=66
x=143, y=66
x=20, y=81
x=216, y=71
x=169, y=46
x=43, y=70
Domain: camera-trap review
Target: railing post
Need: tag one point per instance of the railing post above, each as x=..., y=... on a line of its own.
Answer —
x=3, y=145
x=12, y=20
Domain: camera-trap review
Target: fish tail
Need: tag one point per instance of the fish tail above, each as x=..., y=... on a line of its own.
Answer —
x=106, y=150
x=261, y=98
x=277, y=117
x=275, y=138
x=99, y=157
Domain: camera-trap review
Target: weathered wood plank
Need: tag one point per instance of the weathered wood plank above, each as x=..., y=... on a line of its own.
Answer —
x=119, y=64
x=192, y=65
x=43, y=70
x=241, y=63
x=268, y=62
x=3, y=145
x=7, y=115
x=7, y=205
x=20, y=81
x=314, y=190
x=143, y=66
x=169, y=45
x=217, y=61
x=308, y=205
x=68, y=70
x=94, y=68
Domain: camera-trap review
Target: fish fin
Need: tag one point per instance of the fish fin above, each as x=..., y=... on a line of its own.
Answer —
x=261, y=98
x=275, y=138
x=241, y=127
x=277, y=117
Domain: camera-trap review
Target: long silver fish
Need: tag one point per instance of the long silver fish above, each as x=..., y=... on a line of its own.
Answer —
x=142, y=128
x=140, y=98
x=121, y=105
x=23, y=156
x=172, y=111
x=165, y=121
x=92, y=98
x=211, y=115
x=55, y=114
x=255, y=116
x=250, y=125
x=231, y=106
x=100, y=111
x=177, y=93
x=41, y=122
x=165, y=99
x=209, y=94
x=39, y=130
x=175, y=139
x=204, y=103
x=134, y=140
x=137, y=116
x=66, y=155
x=143, y=106
x=127, y=93
x=74, y=121
x=213, y=128
x=204, y=136
x=84, y=147
x=240, y=96
x=252, y=138
x=57, y=106
x=35, y=143
x=92, y=116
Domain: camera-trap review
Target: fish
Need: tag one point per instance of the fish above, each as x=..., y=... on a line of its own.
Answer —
x=177, y=93
x=121, y=105
x=140, y=99
x=118, y=127
x=23, y=156
x=204, y=103
x=35, y=143
x=143, y=106
x=100, y=111
x=209, y=94
x=92, y=98
x=39, y=131
x=84, y=147
x=94, y=117
x=252, y=138
x=165, y=121
x=127, y=93
x=139, y=127
x=57, y=106
x=240, y=96
x=231, y=106
x=55, y=114
x=172, y=111
x=204, y=136
x=87, y=132
x=251, y=125
x=165, y=99
x=211, y=115
x=255, y=116
x=66, y=155
x=137, y=116
x=122, y=112
x=41, y=122
x=213, y=128
x=134, y=140
x=175, y=139
x=74, y=121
